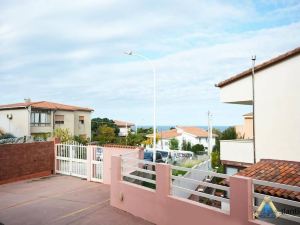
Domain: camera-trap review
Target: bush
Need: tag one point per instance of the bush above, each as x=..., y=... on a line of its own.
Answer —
x=173, y=144
x=80, y=139
x=63, y=134
x=6, y=136
x=196, y=149
x=189, y=163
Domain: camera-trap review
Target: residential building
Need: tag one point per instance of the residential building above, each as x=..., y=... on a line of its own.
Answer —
x=276, y=115
x=245, y=131
x=42, y=118
x=125, y=127
x=193, y=135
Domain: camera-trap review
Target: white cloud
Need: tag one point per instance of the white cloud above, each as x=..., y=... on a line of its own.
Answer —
x=71, y=51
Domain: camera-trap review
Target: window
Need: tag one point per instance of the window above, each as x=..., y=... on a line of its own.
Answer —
x=81, y=119
x=40, y=118
x=59, y=119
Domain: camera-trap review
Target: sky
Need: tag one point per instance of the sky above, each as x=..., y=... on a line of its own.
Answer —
x=71, y=52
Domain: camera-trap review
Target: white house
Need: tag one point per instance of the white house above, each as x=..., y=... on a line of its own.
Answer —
x=42, y=118
x=194, y=135
x=276, y=115
x=124, y=126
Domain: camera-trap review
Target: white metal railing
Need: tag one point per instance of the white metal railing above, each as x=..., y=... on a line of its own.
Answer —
x=138, y=171
x=280, y=203
x=79, y=160
x=199, y=182
x=71, y=160
x=96, y=163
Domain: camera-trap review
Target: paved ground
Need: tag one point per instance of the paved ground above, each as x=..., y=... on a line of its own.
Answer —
x=60, y=200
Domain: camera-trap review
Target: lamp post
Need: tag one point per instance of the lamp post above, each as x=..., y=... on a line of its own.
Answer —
x=154, y=97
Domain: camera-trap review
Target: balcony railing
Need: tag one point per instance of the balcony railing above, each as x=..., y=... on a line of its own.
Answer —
x=283, y=207
x=240, y=150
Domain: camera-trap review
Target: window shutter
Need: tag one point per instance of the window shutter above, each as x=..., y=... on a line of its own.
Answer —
x=59, y=118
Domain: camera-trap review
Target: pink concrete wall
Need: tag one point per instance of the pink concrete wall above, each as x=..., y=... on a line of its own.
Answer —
x=108, y=152
x=158, y=207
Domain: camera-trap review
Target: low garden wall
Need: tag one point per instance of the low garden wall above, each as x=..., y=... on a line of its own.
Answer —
x=160, y=207
x=25, y=161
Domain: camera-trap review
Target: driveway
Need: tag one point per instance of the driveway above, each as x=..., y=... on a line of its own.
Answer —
x=60, y=200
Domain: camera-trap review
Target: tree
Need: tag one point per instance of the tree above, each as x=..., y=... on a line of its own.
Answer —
x=229, y=134
x=145, y=131
x=133, y=139
x=184, y=145
x=196, y=149
x=97, y=122
x=189, y=146
x=80, y=139
x=149, y=140
x=173, y=144
x=105, y=135
x=215, y=159
x=63, y=134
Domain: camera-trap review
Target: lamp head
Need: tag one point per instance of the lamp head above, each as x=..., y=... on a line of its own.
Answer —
x=128, y=52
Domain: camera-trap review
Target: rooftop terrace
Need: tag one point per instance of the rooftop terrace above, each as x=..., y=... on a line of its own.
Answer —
x=60, y=200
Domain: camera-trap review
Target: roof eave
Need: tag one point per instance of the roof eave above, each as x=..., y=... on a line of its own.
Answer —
x=259, y=67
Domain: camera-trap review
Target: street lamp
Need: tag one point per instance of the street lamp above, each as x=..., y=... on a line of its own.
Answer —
x=154, y=97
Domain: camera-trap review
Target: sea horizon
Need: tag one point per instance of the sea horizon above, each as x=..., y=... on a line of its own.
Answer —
x=167, y=127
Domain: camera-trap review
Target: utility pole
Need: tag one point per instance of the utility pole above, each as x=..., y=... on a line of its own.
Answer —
x=209, y=132
x=253, y=107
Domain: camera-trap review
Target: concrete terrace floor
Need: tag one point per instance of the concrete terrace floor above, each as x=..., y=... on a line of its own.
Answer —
x=60, y=200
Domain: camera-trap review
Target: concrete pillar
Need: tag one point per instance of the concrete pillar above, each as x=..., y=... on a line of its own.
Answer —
x=55, y=141
x=115, y=192
x=89, y=152
x=241, y=201
x=163, y=179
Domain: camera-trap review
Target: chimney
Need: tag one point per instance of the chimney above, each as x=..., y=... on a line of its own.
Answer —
x=27, y=100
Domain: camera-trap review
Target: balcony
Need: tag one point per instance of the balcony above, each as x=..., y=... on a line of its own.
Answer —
x=239, y=152
x=239, y=92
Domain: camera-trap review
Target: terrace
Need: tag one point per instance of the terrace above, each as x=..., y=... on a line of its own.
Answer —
x=60, y=200
x=128, y=189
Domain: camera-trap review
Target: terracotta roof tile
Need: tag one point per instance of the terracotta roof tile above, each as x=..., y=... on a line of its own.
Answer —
x=45, y=105
x=168, y=134
x=197, y=131
x=121, y=123
x=277, y=171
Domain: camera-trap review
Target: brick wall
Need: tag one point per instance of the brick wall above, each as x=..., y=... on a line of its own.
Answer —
x=25, y=161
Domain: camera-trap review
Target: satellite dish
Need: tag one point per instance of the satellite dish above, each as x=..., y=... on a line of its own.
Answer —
x=9, y=116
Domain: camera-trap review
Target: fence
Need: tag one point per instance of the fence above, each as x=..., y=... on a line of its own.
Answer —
x=19, y=140
x=163, y=205
x=80, y=161
x=138, y=171
x=201, y=185
x=282, y=206
x=25, y=161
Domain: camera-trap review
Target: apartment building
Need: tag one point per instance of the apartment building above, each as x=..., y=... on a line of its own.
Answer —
x=276, y=116
x=42, y=118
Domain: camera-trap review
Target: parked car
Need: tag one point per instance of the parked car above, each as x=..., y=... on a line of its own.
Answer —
x=148, y=156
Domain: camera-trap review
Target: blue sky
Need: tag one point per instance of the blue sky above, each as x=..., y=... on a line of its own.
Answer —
x=71, y=52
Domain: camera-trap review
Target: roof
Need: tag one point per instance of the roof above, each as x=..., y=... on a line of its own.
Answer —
x=45, y=105
x=168, y=134
x=121, y=123
x=196, y=131
x=278, y=171
x=248, y=114
x=260, y=67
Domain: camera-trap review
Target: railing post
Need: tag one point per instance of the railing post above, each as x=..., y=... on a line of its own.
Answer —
x=116, y=194
x=241, y=201
x=163, y=179
x=89, y=152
